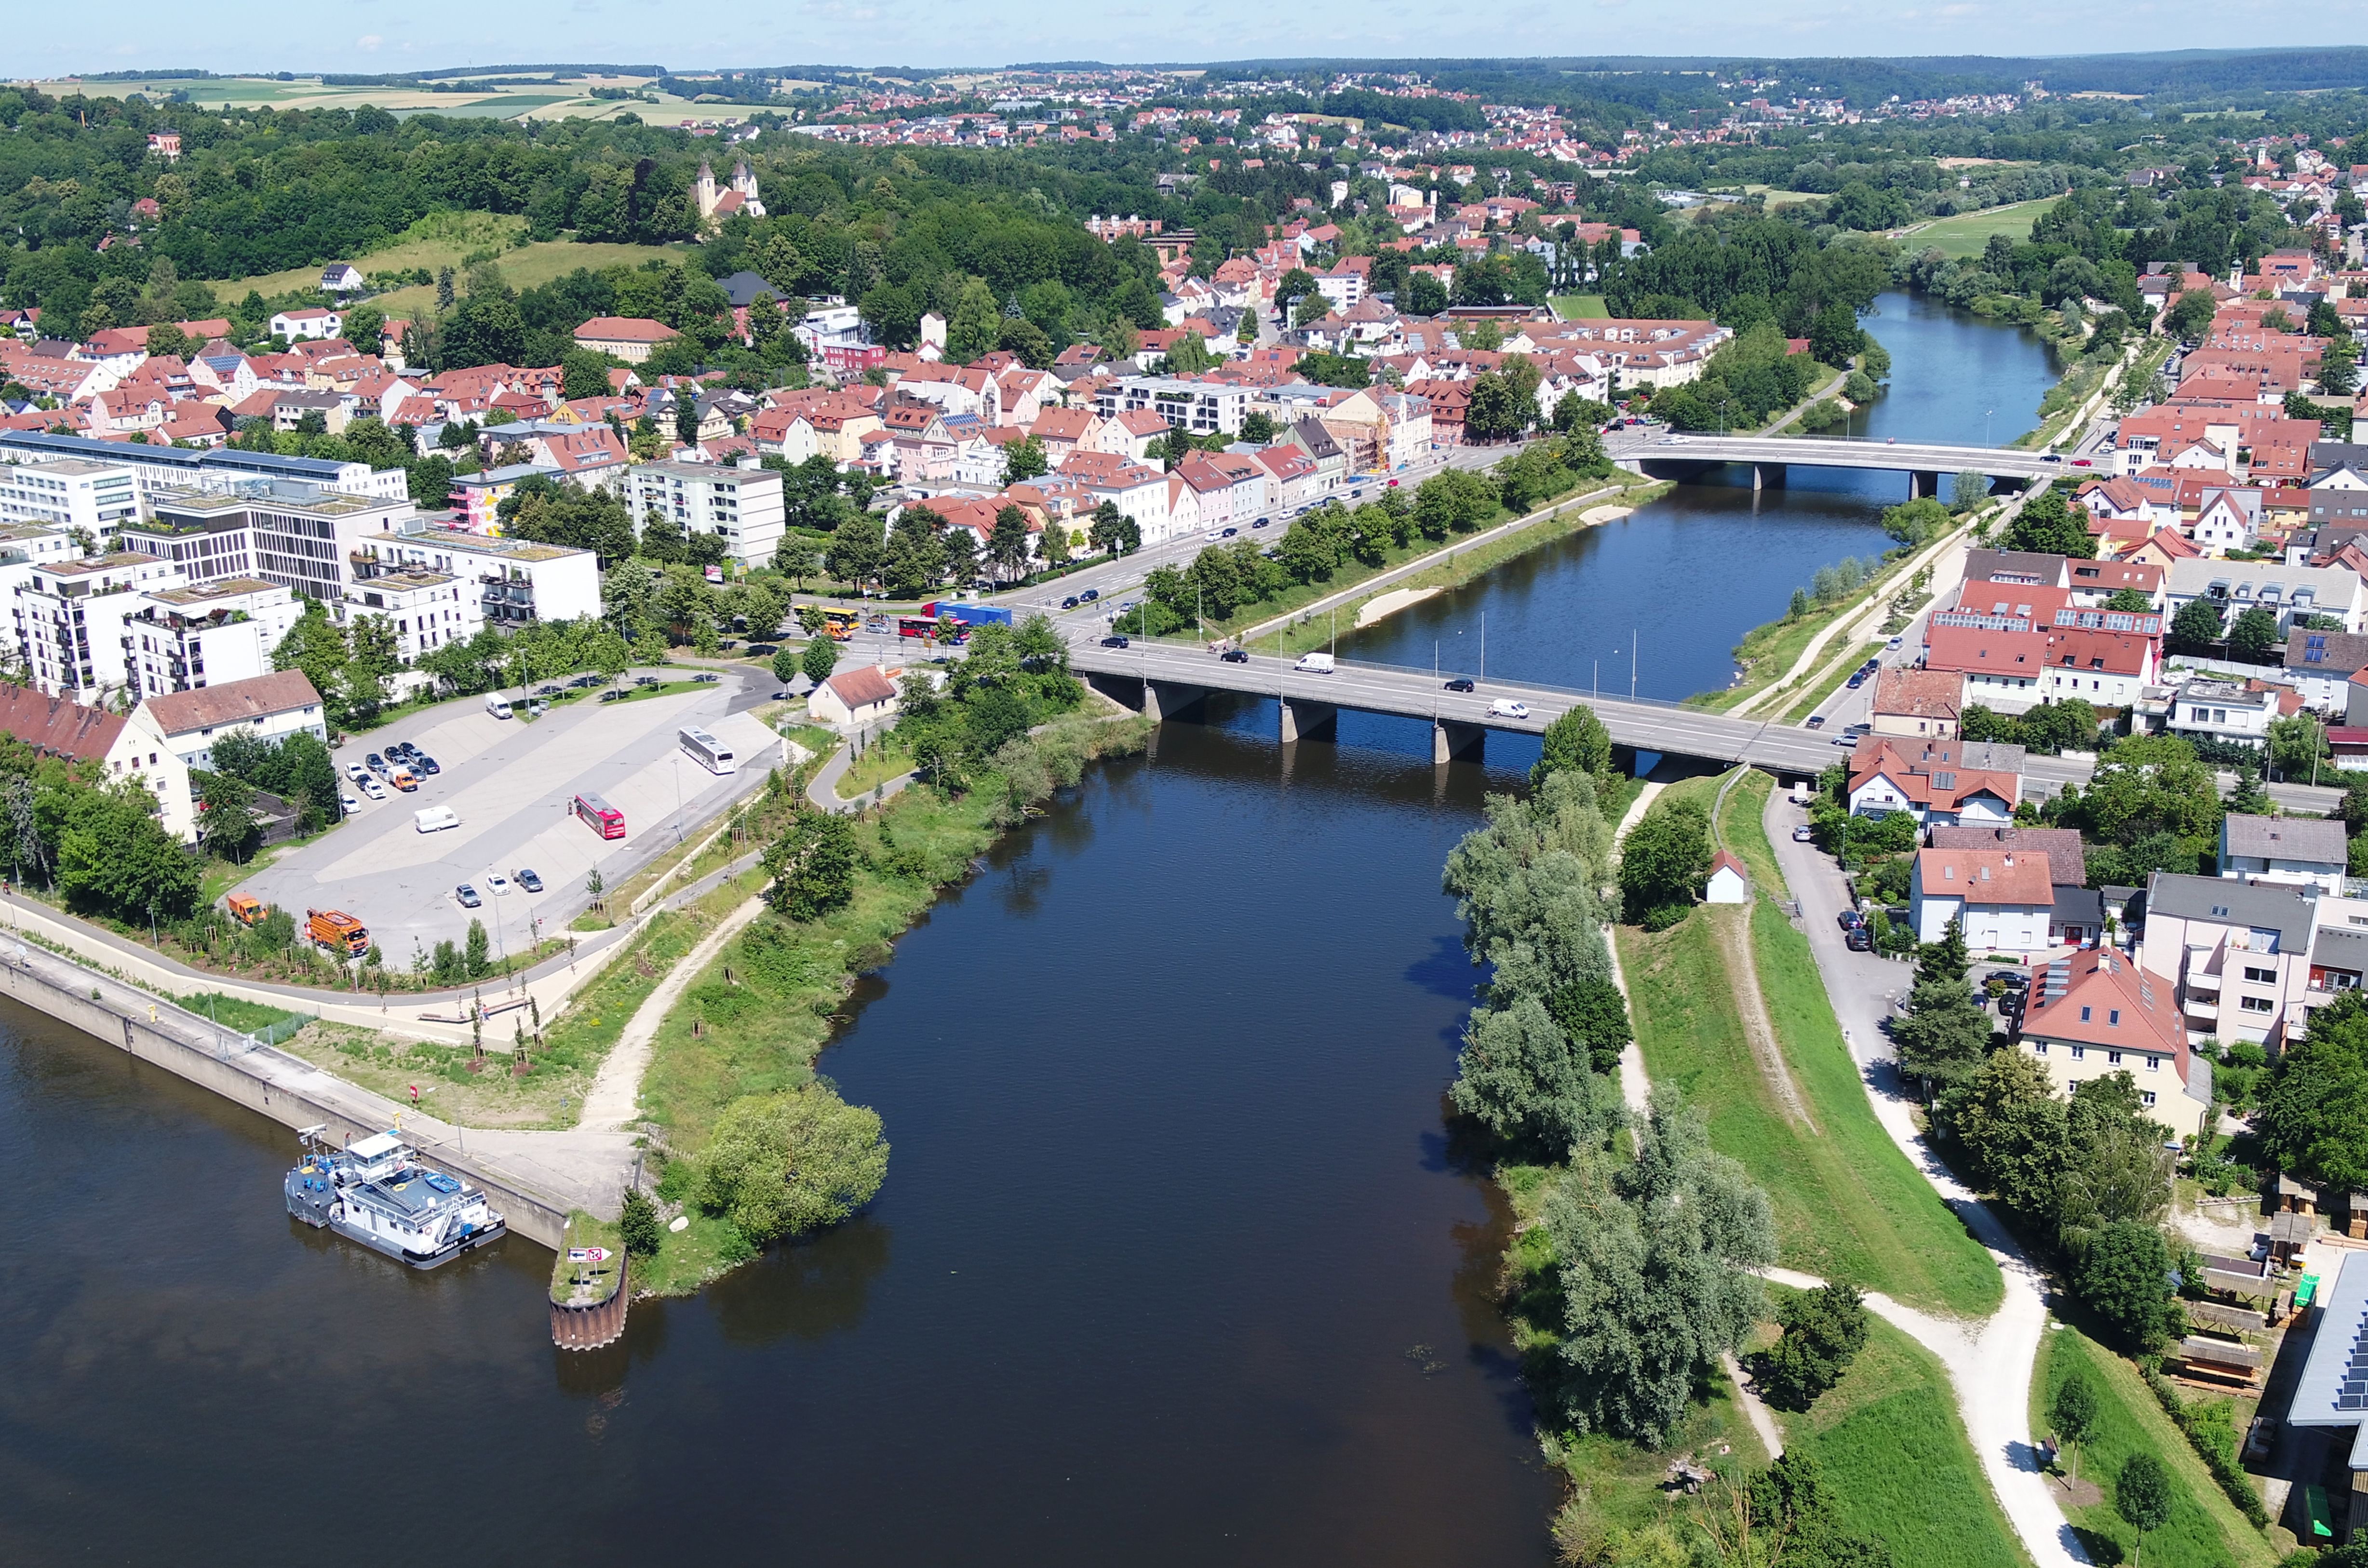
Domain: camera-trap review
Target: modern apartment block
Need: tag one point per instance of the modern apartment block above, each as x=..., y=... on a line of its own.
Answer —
x=201, y=634
x=742, y=506
x=515, y=580
x=64, y=494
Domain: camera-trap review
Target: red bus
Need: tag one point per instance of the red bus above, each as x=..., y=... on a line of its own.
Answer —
x=599, y=815
x=948, y=630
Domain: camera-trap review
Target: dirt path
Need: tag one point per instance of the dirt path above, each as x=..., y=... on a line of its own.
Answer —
x=1733, y=924
x=1635, y=1091
x=1762, y=1421
x=615, y=1099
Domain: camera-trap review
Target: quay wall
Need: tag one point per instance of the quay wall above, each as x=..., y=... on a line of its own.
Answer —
x=270, y=1082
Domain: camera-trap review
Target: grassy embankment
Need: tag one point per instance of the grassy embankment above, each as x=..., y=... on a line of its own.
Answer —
x=888, y=756
x=1899, y=1462
x=2064, y=400
x=450, y=239
x=1849, y=1205
x=1554, y=521
x=760, y=1031
x=1580, y=307
x=2205, y=1529
x=582, y=1284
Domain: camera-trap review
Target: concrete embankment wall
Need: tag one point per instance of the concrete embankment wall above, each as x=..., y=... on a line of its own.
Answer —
x=270, y=1082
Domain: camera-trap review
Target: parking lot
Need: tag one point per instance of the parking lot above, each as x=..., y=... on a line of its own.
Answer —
x=512, y=782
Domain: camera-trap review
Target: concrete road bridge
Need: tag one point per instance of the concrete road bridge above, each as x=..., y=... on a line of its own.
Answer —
x=1925, y=464
x=1167, y=680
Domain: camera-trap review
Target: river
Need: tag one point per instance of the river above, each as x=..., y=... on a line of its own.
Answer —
x=1672, y=590
x=1173, y=1265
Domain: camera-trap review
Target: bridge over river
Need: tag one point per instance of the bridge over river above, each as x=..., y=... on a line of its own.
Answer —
x=1166, y=679
x=1924, y=462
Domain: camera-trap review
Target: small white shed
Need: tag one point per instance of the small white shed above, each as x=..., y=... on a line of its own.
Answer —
x=1729, y=883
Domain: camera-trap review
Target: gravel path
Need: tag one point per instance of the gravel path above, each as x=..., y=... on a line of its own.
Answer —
x=614, y=1101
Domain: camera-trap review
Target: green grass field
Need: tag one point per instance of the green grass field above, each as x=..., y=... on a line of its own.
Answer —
x=1580, y=307
x=535, y=264
x=1898, y=1461
x=1966, y=233
x=440, y=239
x=2206, y=1531
x=1849, y=1205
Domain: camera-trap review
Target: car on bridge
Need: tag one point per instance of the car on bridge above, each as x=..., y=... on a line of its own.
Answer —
x=1506, y=708
x=1114, y=640
x=1458, y=683
x=1236, y=656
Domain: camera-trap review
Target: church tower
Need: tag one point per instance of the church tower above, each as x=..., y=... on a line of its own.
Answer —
x=706, y=188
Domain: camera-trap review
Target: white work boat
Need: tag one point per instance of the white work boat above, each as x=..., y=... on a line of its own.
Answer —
x=375, y=1191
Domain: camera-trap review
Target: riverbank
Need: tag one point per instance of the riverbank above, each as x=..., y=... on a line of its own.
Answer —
x=1443, y=570
x=758, y=1010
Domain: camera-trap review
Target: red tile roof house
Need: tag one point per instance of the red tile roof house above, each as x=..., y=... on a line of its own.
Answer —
x=120, y=748
x=2003, y=901
x=854, y=697
x=2097, y=1013
x=1948, y=783
x=2002, y=669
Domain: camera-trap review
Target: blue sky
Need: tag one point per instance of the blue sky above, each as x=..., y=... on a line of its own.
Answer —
x=404, y=35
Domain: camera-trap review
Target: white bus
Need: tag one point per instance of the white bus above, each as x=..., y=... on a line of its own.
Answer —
x=708, y=752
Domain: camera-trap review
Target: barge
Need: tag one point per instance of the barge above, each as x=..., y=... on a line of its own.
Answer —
x=377, y=1192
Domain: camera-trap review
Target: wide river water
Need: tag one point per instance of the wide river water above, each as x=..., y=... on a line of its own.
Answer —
x=1174, y=1265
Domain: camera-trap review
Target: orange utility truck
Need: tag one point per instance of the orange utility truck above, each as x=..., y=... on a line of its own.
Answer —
x=337, y=931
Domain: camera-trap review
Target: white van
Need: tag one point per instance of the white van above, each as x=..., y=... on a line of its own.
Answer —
x=431, y=818
x=1315, y=664
x=497, y=707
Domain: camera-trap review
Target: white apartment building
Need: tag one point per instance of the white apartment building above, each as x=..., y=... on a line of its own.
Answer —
x=70, y=493
x=2240, y=952
x=201, y=634
x=2284, y=591
x=516, y=580
x=2224, y=710
x=204, y=532
x=69, y=618
x=1200, y=408
x=306, y=538
x=742, y=506
x=220, y=467
x=428, y=608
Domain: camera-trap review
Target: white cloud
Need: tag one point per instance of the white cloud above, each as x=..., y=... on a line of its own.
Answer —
x=368, y=43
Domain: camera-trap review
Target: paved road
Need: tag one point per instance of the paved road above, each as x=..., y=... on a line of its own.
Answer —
x=1925, y=456
x=1382, y=689
x=510, y=782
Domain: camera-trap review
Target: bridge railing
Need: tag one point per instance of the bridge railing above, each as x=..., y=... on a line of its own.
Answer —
x=1574, y=694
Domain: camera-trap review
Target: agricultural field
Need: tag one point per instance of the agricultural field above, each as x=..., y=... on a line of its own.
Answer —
x=1966, y=233
x=540, y=100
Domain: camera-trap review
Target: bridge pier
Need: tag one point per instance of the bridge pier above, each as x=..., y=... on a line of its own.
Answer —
x=1767, y=477
x=1303, y=719
x=1165, y=700
x=1923, y=482
x=1449, y=741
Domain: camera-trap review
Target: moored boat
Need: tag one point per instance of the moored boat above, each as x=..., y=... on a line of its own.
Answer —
x=377, y=1192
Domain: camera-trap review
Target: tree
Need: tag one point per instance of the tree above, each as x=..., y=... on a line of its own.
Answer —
x=1575, y=739
x=1594, y=1014
x=478, y=958
x=811, y=866
x=365, y=329
x=1113, y=532
x=2314, y=1115
x=229, y=823
x=2196, y=628
x=1824, y=1329
x=2073, y=1414
x=1024, y=460
x=783, y=1165
x=1519, y=1075
x=1665, y=862
x=789, y=662
x=1007, y=545
x=2048, y=524
x=2124, y=1278
x=639, y=1226
x=1968, y=490
x=1834, y=337
x=1656, y=1265
x=2254, y=638
x=2142, y=1496
x=113, y=858
x=2297, y=744
x=820, y=658
x=1257, y=427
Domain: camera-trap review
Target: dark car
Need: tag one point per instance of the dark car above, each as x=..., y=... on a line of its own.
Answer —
x=422, y=761
x=1089, y=596
x=1852, y=920
x=468, y=897
x=1069, y=603
x=1857, y=680
x=1458, y=683
x=612, y=697
x=581, y=682
x=1114, y=640
x=646, y=681
x=1231, y=532
x=546, y=689
x=1816, y=720
x=524, y=876
x=1858, y=941
x=1236, y=655
x=763, y=650
x=779, y=697
x=706, y=677
x=375, y=763
x=1259, y=524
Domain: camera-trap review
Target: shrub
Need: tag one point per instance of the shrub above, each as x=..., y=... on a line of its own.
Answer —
x=639, y=1225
